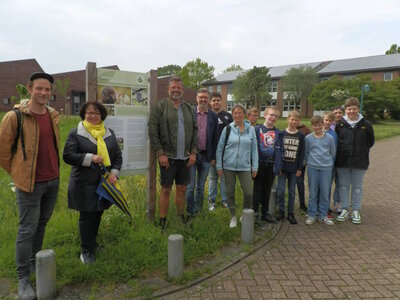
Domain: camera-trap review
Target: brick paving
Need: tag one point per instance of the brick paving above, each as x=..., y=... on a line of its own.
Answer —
x=344, y=261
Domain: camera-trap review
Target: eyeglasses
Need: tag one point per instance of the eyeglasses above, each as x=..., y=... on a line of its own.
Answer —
x=92, y=114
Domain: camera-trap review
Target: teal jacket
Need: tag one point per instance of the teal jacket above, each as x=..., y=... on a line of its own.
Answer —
x=163, y=128
x=241, y=153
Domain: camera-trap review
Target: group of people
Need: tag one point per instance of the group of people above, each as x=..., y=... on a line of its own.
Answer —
x=191, y=144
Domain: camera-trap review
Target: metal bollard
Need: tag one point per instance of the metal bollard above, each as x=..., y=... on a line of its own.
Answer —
x=175, y=255
x=272, y=203
x=247, y=226
x=45, y=274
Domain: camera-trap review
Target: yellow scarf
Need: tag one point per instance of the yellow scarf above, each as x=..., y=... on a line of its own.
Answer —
x=97, y=132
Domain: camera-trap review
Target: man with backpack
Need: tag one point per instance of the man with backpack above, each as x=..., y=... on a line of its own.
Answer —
x=29, y=138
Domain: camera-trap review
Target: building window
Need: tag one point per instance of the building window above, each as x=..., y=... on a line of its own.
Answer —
x=348, y=77
x=229, y=105
x=210, y=88
x=6, y=101
x=219, y=88
x=289, y=105
x=274, y=86
x=388, y=76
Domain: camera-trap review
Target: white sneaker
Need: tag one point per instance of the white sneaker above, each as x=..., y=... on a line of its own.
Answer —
x=344, y=215
x=211, y=206
x=233, y=222
x=326, y=221
x=356, y=217
x=310, y=220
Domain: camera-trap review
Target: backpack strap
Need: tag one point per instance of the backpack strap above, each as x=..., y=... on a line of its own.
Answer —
x=20, y=134
x=227, y=133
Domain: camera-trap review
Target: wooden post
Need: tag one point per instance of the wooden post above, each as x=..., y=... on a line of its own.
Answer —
x=91, y=82
x=152, y=175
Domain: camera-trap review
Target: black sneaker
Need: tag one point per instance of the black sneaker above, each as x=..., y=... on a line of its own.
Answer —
x=303, y=207
x=87, y=257
x=280, y=216
x=268, y=218
x=291, y=219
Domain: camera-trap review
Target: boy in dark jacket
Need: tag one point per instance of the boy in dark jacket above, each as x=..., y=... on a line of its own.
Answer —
x=293, y=141
x=355, y=138
x=270, y=154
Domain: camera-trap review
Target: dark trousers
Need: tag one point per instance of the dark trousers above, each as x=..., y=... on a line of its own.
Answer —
x=89, y=223
x=262, y=187
x=300, y=186
x=35, y=210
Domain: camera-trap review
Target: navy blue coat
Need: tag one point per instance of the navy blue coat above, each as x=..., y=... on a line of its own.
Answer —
x=212, y=134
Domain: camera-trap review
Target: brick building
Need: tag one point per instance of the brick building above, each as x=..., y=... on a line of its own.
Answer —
x=379, y=68
x=19, y=71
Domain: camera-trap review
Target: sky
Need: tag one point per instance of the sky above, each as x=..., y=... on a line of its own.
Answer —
x=142, y=35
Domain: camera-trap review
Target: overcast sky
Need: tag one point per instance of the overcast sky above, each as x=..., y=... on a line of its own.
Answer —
x=142, y=35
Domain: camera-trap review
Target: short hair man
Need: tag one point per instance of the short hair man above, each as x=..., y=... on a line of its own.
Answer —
x=173, y=136
x=207, y=140
x=37, y=190
x=224, y=118
x=252, y=115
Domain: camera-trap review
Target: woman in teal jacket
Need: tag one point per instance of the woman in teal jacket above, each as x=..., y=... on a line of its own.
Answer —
x=237, y=155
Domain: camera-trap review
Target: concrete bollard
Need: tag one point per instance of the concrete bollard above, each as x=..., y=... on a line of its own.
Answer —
x=175, y=255
x=45, y=274
x=247, y=226
x=272, y=203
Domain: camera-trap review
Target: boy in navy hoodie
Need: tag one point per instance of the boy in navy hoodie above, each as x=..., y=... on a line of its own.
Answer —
x=270, y=154
x=293, y=141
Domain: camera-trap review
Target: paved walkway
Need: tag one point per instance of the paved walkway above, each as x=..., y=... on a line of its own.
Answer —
x=344, y=261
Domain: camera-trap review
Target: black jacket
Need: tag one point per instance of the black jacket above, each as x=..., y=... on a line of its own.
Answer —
x=84, y=178
x=354, y=144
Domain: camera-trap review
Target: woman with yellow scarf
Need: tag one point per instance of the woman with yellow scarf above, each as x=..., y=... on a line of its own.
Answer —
x=87, y=147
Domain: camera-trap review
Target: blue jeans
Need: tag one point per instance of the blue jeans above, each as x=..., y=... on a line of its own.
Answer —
x=213, y=186
x=280, y=190
x=195, y=189
x=35, y=210
x=354, y=178
x=319, y=183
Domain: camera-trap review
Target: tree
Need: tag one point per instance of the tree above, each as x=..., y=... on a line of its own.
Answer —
x=195, y=72
x=393, y=49
x=62, y=87
x=22, y=92
x=169, y=70
x=252, y=87
x=382, y=97
x=233, y=67
x=299, y=83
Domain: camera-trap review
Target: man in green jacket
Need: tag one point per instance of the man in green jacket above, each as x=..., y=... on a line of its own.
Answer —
x=173, y=136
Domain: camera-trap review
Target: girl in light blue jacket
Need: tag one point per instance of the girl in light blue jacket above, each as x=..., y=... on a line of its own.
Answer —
x=237, y=155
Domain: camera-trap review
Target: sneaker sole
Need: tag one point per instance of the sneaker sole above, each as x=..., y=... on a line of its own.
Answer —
x=356, y=222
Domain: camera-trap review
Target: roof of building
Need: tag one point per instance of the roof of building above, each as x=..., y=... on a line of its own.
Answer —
x=14, y=72
x=369, y=63
x=279, y=71
x=275, y=72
